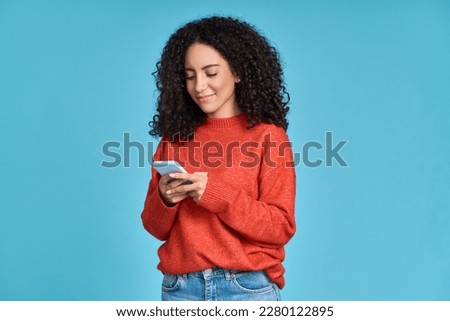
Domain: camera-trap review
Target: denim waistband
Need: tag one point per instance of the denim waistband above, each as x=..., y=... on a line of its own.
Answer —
x=213, y=272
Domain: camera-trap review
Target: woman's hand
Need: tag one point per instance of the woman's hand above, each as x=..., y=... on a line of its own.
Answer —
x=167, y=183
x=179, y=189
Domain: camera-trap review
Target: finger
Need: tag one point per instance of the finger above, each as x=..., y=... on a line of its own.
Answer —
x=196, y=197
x=178, y=198
x=175, y=183
x=172, y=192
x=183, y=188
x=174, y=199
x=165, y=179
x=197, y=176
x=203, y=174
x=183, y=176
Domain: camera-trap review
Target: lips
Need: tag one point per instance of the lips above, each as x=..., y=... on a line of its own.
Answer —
x=204, y=97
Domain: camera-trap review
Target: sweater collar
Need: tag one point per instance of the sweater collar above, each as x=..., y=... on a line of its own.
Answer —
x=223, y=123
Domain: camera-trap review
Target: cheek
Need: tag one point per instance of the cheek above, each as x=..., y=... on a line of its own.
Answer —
x=224, y=86
x=229, y=87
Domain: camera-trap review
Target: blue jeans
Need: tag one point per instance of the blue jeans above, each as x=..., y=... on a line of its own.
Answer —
x=219, y=285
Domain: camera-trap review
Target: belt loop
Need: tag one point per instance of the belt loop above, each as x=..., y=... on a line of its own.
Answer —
x=207, y=273
x=228, y=274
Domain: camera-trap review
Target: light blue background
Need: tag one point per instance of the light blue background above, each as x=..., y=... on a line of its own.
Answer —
x=76, y=74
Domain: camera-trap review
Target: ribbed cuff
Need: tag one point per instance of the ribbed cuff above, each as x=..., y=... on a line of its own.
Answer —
x=162, y=212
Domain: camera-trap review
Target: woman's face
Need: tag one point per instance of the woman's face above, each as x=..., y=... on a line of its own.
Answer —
x=210, y=81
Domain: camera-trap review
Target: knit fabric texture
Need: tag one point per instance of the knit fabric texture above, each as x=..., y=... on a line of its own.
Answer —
x=246, y=214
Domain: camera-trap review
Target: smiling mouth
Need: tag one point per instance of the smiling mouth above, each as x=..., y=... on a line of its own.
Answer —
x=205, y=98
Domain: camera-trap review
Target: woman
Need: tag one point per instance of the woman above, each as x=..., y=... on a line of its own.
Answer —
x=221, y=113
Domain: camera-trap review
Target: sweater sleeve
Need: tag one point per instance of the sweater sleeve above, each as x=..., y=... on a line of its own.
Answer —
x=157, y=217
x=267, y=219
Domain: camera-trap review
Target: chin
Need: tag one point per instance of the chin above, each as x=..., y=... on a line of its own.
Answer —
x=207, y=110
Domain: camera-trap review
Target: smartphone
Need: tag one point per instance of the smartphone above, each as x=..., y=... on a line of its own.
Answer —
x=167, y=167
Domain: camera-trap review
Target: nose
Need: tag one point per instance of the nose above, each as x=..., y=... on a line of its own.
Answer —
x=200, y=83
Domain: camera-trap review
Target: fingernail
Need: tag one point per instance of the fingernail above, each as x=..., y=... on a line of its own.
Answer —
x=168, y=192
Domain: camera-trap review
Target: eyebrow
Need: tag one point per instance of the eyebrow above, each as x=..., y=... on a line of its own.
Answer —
x=204, y=67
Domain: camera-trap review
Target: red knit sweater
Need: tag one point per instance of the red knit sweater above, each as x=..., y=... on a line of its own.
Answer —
x=246, y=214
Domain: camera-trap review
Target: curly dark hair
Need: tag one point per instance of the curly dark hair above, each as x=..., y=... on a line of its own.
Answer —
x=261, y=93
